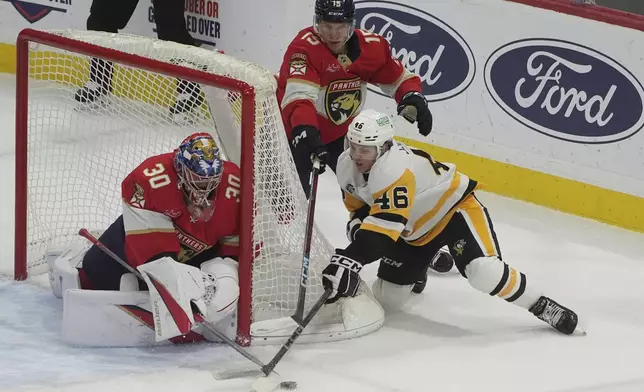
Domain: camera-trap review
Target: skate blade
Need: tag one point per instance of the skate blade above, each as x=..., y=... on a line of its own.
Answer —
x=579, y=331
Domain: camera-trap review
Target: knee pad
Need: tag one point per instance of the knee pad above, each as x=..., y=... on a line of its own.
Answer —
x=484, y=273
x=62, y=263
x=492, y=276
x=392, y=297
x=129, y=283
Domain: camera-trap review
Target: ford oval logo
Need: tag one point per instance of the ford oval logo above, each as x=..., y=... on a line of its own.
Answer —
x=565, y=90
x=424, y=44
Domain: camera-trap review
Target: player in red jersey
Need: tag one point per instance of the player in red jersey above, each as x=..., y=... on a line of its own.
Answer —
x=179, y=229
x=322, y=86
x=183, y=204
x=323, y=82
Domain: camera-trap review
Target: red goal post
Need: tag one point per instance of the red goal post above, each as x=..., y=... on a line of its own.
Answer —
x=61, y=186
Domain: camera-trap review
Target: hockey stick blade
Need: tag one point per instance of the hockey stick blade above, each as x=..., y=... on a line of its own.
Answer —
x=262, y=382
x=232, y=371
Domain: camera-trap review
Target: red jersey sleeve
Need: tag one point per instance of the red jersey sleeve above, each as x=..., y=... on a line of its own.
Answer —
x=392, y=77
x=148, y=233
x=299, y=81
x=227, y=211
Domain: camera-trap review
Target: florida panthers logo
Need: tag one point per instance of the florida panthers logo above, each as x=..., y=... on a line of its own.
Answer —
x=343, y=98
x=137, y=200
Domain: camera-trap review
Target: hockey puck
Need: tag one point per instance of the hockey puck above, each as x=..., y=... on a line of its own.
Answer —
x=288, y=385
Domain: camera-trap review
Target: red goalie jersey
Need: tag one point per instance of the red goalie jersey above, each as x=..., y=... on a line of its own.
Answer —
x=157, y=220
x=316, y=87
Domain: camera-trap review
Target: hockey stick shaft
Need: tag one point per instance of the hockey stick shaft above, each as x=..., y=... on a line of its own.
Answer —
x=85, y=233
x=90, y=237
x=308, y=237
x=296, y=334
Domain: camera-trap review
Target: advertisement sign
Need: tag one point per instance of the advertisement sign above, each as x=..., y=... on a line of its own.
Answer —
x=202, y=21
x=565, y=90
x=424, y=44
x=34, y=10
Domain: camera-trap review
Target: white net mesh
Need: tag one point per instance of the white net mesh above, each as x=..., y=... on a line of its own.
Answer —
x=78, y=153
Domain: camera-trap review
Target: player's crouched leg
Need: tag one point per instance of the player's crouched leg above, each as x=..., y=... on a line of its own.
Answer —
x=492, y=276
x=398, y=273
x=391, y=296
x=103, y=272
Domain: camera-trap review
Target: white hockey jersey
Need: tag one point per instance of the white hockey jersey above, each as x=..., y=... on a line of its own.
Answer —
x=410, y=195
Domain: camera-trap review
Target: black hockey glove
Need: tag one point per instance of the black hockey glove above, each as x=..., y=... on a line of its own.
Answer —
x=413, y=107
x=343, y=276
x=307, y=144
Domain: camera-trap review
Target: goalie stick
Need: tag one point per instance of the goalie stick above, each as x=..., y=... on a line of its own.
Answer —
x=272, y=379
x=313, y=188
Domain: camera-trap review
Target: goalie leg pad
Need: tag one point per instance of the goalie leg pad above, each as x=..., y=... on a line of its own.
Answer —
x=62, y=262
x=100, y=318
x=220, y=306
x=493, y=276
x=392, y=297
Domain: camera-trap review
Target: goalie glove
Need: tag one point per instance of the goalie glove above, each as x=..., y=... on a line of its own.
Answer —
x=342, y=275
x=413, y=107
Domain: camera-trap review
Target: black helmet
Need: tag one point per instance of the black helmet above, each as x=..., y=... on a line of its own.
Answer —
x=335, y=11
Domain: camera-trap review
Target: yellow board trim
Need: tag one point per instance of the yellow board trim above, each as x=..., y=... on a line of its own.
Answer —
x=7, y=58
x=71, y=70
x=570, y=196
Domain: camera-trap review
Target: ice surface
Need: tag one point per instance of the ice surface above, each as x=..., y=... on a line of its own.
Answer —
x=450, y=338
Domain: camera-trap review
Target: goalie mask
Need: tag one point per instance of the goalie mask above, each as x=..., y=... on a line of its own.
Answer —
x=199, y=169
x=369, y=136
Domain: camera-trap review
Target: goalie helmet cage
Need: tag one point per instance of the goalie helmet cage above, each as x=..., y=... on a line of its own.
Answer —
x=71, y=159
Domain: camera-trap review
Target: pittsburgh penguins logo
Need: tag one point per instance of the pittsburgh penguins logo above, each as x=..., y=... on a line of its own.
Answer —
x=343, y=98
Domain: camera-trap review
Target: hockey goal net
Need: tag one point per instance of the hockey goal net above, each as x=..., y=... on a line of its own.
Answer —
x=72, y=157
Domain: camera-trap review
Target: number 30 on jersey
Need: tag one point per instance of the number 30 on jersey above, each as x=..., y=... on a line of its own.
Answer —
x=158, y=178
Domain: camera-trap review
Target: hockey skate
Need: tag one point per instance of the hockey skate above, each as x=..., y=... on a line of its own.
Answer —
x=99, y=84
x=441, y=263
x=559, y=317
x=189, y=97
x=92, y=93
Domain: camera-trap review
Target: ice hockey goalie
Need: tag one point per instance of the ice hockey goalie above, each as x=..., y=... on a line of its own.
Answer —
x=179, y=230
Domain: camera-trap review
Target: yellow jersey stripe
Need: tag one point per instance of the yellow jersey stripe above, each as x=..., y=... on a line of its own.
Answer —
x=453, y=186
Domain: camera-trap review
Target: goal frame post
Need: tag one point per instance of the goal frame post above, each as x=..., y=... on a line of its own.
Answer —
x=248, y=110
